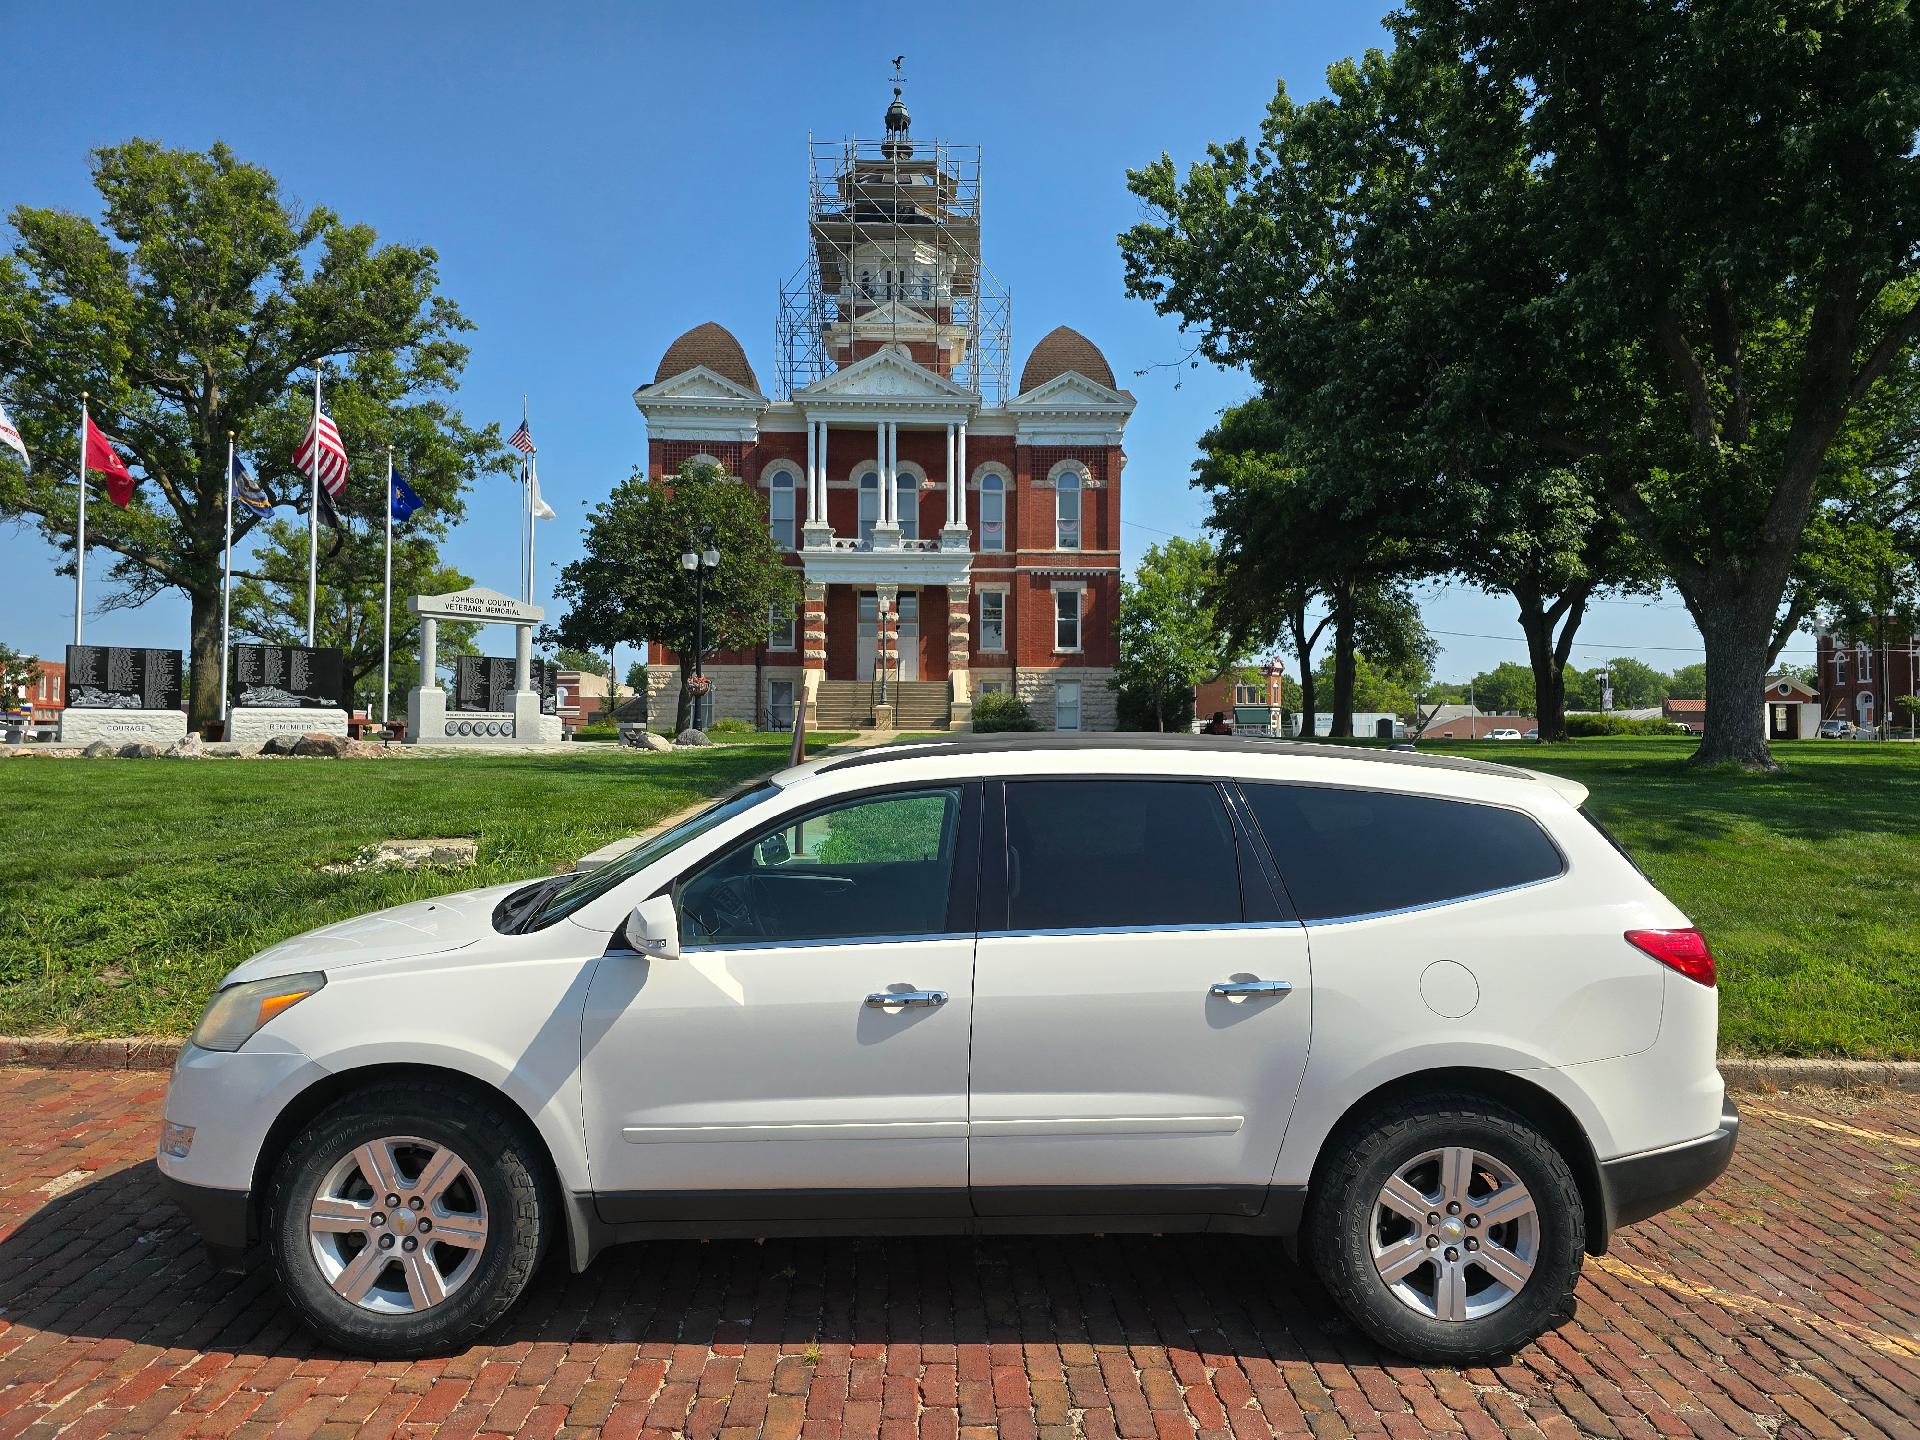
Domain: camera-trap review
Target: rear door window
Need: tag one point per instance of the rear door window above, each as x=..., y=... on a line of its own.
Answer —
x=1119, y=854
x=1347, y=853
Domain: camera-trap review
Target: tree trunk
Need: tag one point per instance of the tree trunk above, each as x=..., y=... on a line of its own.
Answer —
x=1342, y=727
x=1738, y=633
x=203, y=662
x=1548, y=656
x=1303, y=651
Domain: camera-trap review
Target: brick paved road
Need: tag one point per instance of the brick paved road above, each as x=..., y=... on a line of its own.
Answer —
x=1787, y=1303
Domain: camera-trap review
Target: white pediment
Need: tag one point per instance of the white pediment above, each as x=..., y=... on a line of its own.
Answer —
x=1070, y=390
x=890, y=375
x=695, y=385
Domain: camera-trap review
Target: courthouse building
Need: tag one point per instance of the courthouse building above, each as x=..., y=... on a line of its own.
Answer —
x=957, y=533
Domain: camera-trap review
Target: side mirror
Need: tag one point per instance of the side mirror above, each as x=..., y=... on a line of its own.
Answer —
x=773, y=850
x=653, y=928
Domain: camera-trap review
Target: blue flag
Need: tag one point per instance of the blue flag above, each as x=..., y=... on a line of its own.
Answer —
x=402, y=499
x=247, y=490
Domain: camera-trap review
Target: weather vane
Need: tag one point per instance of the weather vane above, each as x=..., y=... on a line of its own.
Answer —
x=898, y=61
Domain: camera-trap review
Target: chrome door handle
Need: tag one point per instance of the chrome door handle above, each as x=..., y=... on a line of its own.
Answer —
x=900, y=999
x=1251, y=987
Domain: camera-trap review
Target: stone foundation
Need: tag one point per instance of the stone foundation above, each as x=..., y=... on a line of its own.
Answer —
x=252, y=724
x=734, y=693
x=82, y=726
x=1099, y=704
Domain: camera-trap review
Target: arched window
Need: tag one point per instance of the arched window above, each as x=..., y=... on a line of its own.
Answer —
x=781, y=485
x=1866, y=663
x=993, y=512
x=869, y=504
x=906, y=492
x=1066, y=510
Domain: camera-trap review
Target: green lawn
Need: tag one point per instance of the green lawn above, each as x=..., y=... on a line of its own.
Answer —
x=1807, y=883
x=130, y=886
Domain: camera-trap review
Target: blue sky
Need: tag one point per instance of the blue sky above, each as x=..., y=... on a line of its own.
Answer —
x=598, y=178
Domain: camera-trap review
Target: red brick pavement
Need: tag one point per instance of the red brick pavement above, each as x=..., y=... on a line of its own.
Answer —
x=1786, y=1303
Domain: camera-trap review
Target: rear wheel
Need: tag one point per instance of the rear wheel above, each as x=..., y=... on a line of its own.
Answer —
x=406, y=1218
x=1449, y=1228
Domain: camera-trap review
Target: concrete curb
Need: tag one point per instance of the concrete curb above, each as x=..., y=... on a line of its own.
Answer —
x=1742, y=1072
x=146, y=1052
x=1746, y=1072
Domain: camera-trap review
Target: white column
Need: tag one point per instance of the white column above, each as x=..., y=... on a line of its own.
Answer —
x=951, y=520
x=960, y=505
x=429, y=656
x=523, y=657
x=823, y=472
x=813, y=473
x=888, y=456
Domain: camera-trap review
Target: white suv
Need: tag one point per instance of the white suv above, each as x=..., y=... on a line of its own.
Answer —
x=1417, y=1011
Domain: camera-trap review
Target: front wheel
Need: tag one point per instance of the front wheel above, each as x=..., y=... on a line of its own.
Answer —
x=406, y=1219
x=1449, y=1228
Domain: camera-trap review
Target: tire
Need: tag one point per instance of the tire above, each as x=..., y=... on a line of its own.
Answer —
x=474, y=1167
x=1445, y=1293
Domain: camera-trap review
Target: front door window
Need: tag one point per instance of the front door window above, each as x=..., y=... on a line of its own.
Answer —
x=880, y=866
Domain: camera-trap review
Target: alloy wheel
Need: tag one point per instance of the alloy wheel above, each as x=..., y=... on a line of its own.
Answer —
x=1454, y=1234
x=398, y=1224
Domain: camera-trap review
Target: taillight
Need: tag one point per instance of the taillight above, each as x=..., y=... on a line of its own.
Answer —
x=1682, y=950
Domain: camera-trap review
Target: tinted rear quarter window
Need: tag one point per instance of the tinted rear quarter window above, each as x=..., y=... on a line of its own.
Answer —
x=1344, y=853
x=1084, y=854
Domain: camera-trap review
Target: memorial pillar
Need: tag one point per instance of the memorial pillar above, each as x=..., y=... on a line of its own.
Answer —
x=429, y=653
x=427, y=702
x=527, y=726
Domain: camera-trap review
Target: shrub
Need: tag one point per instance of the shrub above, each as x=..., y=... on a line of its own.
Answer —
x=598, y=730
x=730, y=725
x=1588, y=725
x=998, y=711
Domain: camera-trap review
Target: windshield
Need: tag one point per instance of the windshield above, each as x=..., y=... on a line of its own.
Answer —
x=594, y=883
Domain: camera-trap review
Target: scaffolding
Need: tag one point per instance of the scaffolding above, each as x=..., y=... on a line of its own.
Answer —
x=894, y=258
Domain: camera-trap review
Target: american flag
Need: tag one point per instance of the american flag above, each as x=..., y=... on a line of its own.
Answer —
x=521, y=440
x=333, y=455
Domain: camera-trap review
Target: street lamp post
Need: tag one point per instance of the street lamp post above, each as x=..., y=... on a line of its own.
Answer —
x=699, y=557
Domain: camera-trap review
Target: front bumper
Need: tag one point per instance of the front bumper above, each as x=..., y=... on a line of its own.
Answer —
x=223, y=1218
x=1638, y=1186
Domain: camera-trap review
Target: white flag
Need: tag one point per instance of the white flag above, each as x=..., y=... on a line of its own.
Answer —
x=541, y=510
x=10, y=437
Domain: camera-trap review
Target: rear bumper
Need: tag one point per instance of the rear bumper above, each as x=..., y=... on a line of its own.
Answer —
x=1638, y=1186
x=224, y=1218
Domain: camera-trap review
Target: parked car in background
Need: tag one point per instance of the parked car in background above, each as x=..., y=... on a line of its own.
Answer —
x=1025, y=983
x=1507, y=733
x=1836, y=729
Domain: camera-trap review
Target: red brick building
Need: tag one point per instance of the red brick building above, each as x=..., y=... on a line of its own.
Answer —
x=1858, y=682
x=957, y=534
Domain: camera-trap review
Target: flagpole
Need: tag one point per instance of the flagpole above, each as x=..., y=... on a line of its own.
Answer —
x=526, y=510
x=313, y=510
x=80, y=532
x=386, y=622
x=226, y=595
x=532, y=569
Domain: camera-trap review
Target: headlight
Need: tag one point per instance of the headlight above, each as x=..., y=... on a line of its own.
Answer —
x=236, y=1012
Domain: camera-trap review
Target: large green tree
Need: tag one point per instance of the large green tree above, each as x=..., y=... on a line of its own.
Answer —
x=199, y=304
x=1728, y=200
x=1170, y=633
x=1368, y=278
x=629, y=587
x=1674, y=246
x=1302, y=552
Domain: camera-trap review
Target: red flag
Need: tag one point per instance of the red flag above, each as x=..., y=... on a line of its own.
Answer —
x=100, y=457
